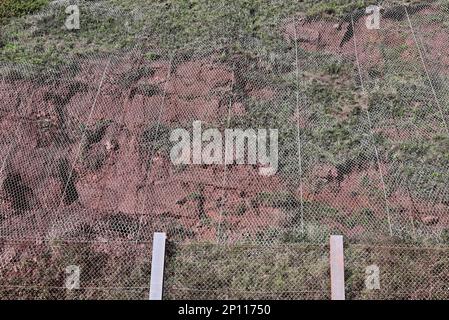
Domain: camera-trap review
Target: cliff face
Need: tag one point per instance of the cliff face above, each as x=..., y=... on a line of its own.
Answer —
x=96, y=143
x=89, y=144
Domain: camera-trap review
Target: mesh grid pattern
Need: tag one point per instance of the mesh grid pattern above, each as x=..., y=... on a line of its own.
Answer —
x=298, y=272
x=86, y=177
x=404, y=272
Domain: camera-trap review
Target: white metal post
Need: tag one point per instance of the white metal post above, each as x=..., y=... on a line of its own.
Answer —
x=157, y=266
x=337, y=266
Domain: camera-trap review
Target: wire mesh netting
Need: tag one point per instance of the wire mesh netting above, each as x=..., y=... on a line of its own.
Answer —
x=75, y=270
x=361, y=118
x=396, y=272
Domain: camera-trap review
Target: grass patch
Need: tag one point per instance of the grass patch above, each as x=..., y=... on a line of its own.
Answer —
x=18, y=8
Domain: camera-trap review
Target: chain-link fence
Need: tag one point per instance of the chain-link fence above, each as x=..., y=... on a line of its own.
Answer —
x=87, y=175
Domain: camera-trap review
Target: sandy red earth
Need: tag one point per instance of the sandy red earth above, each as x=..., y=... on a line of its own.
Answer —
x=54, y=182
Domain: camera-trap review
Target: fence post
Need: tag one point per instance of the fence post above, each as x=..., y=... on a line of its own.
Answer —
x=157, y=266
x=337, y=268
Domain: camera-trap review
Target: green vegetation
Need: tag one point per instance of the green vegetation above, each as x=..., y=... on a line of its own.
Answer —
x=335, y=8
x=320, y=221
x=236, y=272
x=39, y=272
x=43, y=40
x=334, y=128
x=241, y=209
x=110, y=25
x=302, y=272
x=405, y=273
x=18, y=8
x=208, y=271
x=326, y=108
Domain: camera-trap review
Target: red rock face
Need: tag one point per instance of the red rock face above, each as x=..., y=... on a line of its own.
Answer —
x=112, y=169
x=80, y=148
